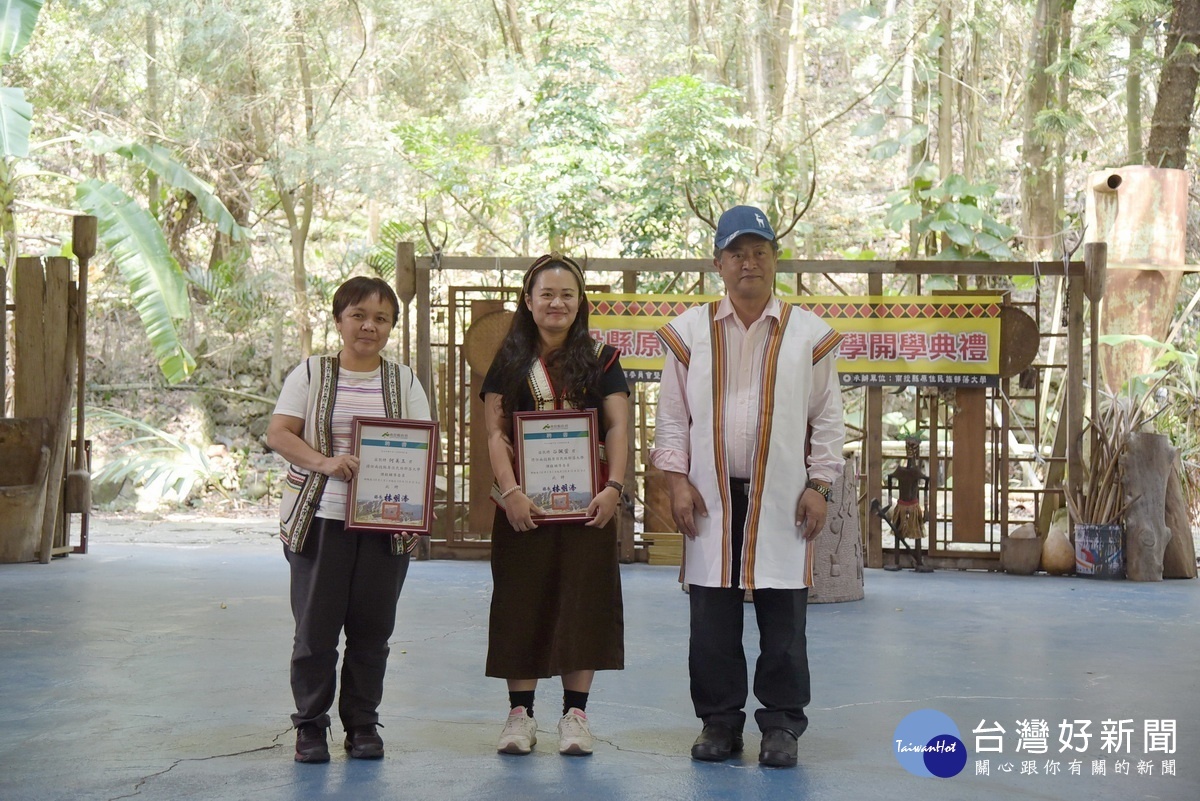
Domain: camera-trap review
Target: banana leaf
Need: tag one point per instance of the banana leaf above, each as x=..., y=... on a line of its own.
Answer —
x=163, y=163
x=16, y=115
x=155, y=280
x=17, y=21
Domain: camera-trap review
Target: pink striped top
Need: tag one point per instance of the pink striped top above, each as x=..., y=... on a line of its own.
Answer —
x=358, y=395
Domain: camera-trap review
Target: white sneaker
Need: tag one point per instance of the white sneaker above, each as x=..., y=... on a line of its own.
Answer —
x=574, y=736
x=520, y=733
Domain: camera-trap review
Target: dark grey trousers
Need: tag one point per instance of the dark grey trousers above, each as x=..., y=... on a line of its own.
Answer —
x=717, y=660
x=342, y=581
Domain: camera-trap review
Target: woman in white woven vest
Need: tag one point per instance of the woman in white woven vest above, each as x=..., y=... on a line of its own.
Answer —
x=341, y=580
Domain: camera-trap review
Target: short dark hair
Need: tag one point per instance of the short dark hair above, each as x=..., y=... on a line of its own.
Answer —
x=360, y=288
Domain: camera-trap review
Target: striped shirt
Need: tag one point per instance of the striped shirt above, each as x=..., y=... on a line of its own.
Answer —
x=358, y=395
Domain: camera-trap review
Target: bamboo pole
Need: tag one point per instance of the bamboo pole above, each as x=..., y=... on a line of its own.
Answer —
x=3, y=340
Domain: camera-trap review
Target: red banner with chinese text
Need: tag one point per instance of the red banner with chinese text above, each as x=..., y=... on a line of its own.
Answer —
x=900, y=340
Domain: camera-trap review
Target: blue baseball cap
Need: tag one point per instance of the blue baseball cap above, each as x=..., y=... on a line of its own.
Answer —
x=742, y=220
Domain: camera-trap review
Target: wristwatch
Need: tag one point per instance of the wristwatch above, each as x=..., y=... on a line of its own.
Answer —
x=617, y=485
x=821, y=488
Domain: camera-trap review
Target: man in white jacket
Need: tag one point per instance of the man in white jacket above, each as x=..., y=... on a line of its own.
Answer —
x=749, y=432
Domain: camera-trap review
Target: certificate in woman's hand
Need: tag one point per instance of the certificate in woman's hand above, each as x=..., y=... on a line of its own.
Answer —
x=556, y=461
x=393, y=488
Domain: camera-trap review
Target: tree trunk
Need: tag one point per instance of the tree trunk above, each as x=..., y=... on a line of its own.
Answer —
x=793, y=89
x=299, y=221
x=968, y=99
x=152, y=114
x=758, y=70
x=510, y=26
x=1133, y=96
x=695, y=35
x=945, y=140
x=907, y=107
x=371, y=90
x=1037, y=179
x=1062, y=100
x=299, y=215
x=1170, y=127
x=1145, y=470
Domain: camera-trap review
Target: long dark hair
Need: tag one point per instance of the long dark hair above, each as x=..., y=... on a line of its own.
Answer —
x=574, y=368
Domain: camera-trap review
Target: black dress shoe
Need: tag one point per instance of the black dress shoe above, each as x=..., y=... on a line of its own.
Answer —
x=778, y=749
x=363, y=742
x=310, y=744
x=716, y=742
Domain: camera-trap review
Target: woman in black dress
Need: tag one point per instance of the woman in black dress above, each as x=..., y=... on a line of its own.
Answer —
x=556, y=598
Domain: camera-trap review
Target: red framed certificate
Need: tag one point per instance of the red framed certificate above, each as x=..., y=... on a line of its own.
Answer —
x=393, y=488
x=557, y=461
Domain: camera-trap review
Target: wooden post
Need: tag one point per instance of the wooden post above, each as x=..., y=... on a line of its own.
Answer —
x=450, y=415
x=45, y=371
x=1054, y=480
x=424, y=354
x=1095, y=255
x=934, y=469
x=3, y=340
x=1000, y=469
x=968, y=464
x=873, y=453
x=60, y=353
x=424, y=371
x=625, y=532
x=406, y=290
x=31, y=389
x=1073, y=407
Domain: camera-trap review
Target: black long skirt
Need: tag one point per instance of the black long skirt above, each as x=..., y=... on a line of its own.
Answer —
x=556, y=601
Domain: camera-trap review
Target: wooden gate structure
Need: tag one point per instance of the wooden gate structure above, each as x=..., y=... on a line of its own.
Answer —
x=39, y=489
x=972, y=439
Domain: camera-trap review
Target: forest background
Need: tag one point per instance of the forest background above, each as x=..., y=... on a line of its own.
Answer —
x=245, y=158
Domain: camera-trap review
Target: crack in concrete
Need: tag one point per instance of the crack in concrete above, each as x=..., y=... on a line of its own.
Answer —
x=444, y=636
x=137, y=788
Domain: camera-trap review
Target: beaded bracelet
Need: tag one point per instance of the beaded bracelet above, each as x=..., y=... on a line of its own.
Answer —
x=510, y=491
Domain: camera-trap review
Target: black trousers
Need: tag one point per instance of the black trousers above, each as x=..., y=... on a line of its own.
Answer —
x=342, y=581
x=717, y=660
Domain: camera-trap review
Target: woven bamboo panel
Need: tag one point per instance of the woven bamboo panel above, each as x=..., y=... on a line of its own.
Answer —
x=664, y=548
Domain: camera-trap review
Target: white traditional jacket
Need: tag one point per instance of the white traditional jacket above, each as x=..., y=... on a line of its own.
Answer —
x=798, y=367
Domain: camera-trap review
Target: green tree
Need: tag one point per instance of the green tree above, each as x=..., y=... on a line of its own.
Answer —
x=131, y=236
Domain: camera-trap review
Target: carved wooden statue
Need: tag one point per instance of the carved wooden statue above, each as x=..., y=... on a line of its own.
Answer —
x=905, y=515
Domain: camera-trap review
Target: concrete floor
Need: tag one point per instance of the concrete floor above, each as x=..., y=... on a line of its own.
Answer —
x=155, y=667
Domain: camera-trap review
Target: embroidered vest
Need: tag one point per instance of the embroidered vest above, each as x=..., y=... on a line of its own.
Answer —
x=300, y=502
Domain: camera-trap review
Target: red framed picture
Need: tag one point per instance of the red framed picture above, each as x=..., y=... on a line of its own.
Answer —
x=393, y=488
x=557, y=462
